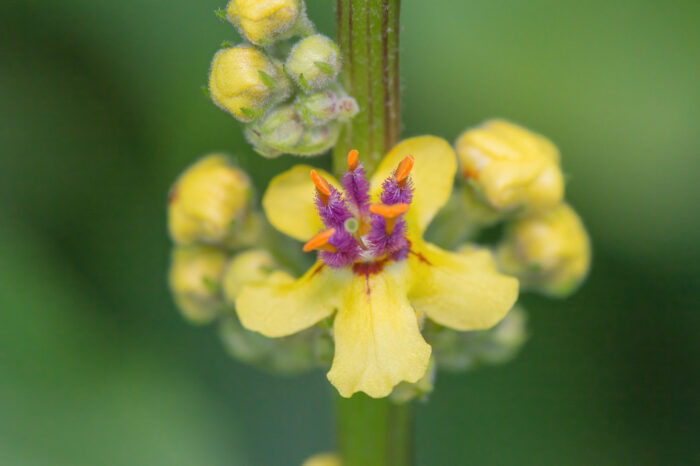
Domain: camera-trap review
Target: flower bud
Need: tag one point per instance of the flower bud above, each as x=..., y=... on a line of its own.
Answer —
x=262, y=22
x=321, y=107
x=276, y=133
x=195, y=281
x=209, y=203
x=548, y=252
x=317, y=139
x=323, y=459
x=461, y=351
x=511, y=167
x=300, y=352
x=314, y=63
x=246, y=268
x=245, y=82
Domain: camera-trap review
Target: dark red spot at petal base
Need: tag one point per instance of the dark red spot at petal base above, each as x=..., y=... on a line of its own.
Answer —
x=421, y=257
x=368, y=268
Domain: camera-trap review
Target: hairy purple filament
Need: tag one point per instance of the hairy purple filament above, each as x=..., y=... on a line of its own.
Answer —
x=376, y=245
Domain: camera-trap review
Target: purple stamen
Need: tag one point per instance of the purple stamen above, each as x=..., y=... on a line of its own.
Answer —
x=335, y=211
x=394, y=193
x=381, y=243
x=356, y=188
x=348, y=250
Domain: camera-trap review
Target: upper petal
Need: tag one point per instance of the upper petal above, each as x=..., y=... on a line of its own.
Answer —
x=377, y=340
x=282, y=305
x=463, y=291
x=289, y=202
x=435, y=165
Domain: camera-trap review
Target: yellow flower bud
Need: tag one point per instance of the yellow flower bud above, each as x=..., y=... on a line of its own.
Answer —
x=314, y=63
x=323, y=459
x=209, y=202
x=511, y=166
x=245, y=82
x=195, y=276
x=548, y=251
x=247, y=268
x=262, y=22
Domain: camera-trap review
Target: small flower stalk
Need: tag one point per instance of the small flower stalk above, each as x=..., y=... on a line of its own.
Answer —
x=290, y=102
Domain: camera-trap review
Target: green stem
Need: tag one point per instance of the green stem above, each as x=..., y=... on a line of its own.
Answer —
x=368, y=34
x=375, y=432
x=372, y=432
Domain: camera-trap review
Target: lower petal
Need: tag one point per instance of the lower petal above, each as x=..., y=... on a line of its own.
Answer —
x=283, y=306
x=377, y=340
x=463, y=291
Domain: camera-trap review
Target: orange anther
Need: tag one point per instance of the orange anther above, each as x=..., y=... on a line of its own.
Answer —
x=322, y=186
x=389, y=211
x=353, y=159
x=404, y=169
x=320, y=241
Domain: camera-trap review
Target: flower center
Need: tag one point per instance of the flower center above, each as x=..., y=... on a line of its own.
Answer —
x=359, y=234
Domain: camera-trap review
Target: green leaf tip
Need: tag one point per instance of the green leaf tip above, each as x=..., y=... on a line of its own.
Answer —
x=268, y=80
x=325, y=67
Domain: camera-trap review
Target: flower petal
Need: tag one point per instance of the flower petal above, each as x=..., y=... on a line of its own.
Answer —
x=377, y=340
x=435, y=165
x=289, y=202
x=282, y=305
x=463, y=291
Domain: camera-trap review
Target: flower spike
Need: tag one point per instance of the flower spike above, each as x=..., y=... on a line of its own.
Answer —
x=320, y=241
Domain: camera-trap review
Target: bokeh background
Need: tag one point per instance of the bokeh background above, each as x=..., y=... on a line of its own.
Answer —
x=100, y=109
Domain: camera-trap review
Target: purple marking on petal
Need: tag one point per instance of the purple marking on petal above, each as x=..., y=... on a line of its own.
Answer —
x=381, y=243
x=356, y=188
x=348, y=250
x=335, y=212
x=392, y=193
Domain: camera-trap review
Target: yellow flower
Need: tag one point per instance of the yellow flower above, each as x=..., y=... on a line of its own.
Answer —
x=511, y=166
x=209, y=203
x=263, y=21
x=245, y=82
x=195, y=276
x=375, y=271
x=549, y=252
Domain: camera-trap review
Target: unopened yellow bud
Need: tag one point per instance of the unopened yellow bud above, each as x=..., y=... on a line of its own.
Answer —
x=195, y=281
x=209, y=202
x=262, y=22
x=245, y=82
x=314, y=63
x=548, y=251
x=247, y=268
x=511, y=166
x=323, y=459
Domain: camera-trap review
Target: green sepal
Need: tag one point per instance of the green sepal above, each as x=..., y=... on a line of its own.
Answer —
x=325, y=67
x=268, y=80
x=221, y=14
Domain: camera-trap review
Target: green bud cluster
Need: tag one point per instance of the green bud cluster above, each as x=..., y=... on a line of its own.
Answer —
x=287, y=94
x=221, y=245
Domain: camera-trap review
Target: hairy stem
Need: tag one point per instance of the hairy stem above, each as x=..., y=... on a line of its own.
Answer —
x=368, y=34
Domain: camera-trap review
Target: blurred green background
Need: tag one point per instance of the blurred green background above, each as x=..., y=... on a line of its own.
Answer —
x=100, y=109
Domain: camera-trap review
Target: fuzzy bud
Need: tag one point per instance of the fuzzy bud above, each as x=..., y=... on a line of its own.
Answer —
x=317, y=139
x=245, y=82
x=510, y=166
x=462, y=351
x=321, y=107
x=195, y=281
x=262, y=22
x=209, y=202
x=548, y=252
x=276, y=133
x=314, y=63
x=246, y=268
